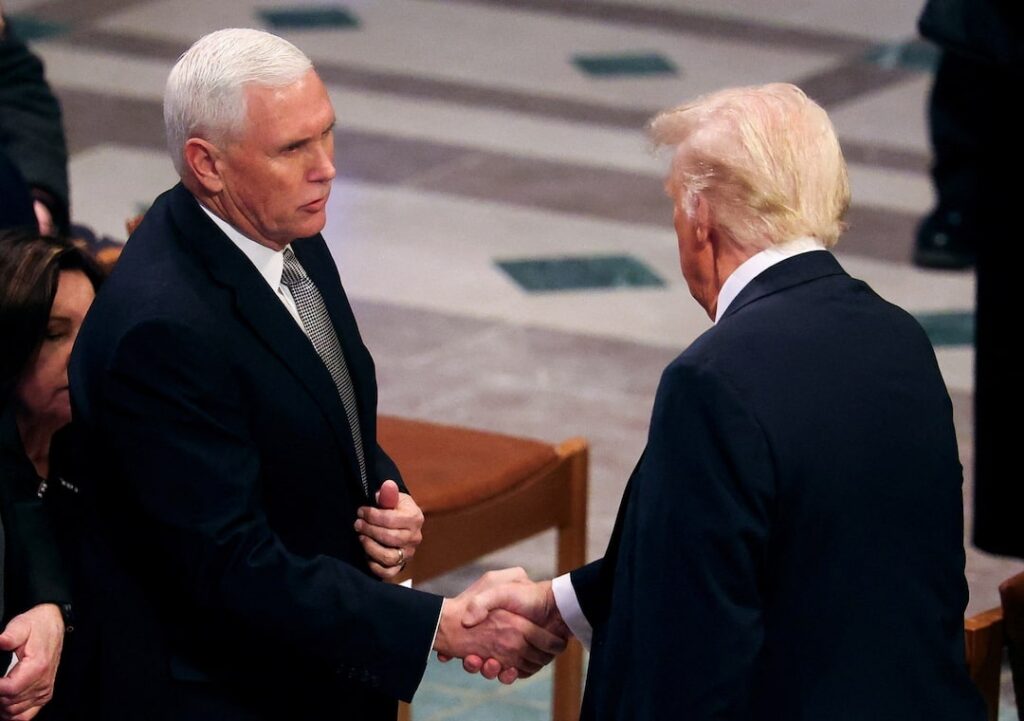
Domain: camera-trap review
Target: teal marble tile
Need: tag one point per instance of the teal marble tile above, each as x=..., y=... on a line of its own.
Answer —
x=29, y=28
x=948, y=329
x=503, y=710
x=312, y=17
x=448, y=693
x=625, y=64
x=580, y=273
x=917, y=55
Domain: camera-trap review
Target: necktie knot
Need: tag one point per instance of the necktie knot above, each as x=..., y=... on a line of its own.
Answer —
x=293, y=271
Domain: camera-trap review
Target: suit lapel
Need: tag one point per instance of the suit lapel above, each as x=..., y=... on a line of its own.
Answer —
x=262, y=311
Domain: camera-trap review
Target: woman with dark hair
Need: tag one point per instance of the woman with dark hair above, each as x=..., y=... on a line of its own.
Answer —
x=46, y=287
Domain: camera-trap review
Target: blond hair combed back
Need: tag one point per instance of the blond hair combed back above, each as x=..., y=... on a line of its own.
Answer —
x=767, y=160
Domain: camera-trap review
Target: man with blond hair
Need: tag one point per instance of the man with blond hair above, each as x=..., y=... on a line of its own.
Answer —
x=790, y=543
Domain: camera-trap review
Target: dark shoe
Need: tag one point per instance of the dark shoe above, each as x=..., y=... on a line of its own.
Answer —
x=942, y=242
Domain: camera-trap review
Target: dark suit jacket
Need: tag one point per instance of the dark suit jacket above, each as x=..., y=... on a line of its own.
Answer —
x=790, y=544
x=225, y=484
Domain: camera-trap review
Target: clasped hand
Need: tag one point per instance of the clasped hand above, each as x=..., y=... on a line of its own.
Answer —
x=390, y=532
x=503, y=626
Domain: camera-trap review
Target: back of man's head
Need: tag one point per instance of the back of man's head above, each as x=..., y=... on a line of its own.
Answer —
x=205, y=92
x=765, y=158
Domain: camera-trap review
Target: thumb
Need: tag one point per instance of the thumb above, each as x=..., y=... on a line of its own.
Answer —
x=387, y=496
x=13, y=637
x=486, y=601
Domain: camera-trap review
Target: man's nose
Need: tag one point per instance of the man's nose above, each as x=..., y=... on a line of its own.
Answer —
x=323, y=168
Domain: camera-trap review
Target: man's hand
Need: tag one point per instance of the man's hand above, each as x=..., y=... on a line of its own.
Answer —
x=512, y=590
x=391, y=532
x=514, y=646
x=36, y=637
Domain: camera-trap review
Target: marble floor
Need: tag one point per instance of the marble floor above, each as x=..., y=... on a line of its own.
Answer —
x=498, y=218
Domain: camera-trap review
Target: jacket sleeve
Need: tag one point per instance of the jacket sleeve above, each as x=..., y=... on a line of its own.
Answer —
x=689, y=568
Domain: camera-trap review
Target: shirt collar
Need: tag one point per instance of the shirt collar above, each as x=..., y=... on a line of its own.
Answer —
x=757, y=264
x=269, y=262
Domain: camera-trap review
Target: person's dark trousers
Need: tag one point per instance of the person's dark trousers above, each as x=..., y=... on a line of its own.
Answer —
x=998, y=494
x=968, y=123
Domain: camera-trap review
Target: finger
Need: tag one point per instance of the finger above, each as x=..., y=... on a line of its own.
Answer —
x=543, y=640
x=387, y=496
x=21, y=708
x=386, y=556
x=394, y=538
x=384, y=572
x=28, y=715
x=496, y=578
x=14, y=637
x=18, y=682
x=492, y=667
x=520, y=643
x=406, y=515
x=508, y=676
x=443, y=658
x=472, y=663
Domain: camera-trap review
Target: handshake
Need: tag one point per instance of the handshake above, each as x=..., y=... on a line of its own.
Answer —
x=503, y=626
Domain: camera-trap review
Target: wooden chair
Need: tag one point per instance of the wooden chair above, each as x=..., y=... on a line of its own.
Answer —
x=983, y=640
x=984, y=637
x=1011, y=593
x=481, y=492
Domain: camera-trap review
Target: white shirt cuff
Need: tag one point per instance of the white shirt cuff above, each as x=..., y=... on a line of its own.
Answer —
x=569, y=607
x=437, y=625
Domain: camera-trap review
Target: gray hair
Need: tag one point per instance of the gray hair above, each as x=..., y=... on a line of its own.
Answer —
x=205, y=92
x=767, y=160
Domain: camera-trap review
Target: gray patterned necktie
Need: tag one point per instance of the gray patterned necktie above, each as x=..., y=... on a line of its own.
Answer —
x=321, y=333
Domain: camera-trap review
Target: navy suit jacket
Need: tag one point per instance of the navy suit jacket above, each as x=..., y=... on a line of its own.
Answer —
x=790, y=545
x=225, y=485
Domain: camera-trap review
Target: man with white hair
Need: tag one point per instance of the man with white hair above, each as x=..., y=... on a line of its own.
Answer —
x=790, y=545
x=226, y=410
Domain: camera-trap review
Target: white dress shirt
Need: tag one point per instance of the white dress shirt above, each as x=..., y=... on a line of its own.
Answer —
x=269, y=262
x=561, y=587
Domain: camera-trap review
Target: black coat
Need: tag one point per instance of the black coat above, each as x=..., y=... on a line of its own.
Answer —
x=32, y=570
x=790, y=544
x=31, y=126
x=225, y=485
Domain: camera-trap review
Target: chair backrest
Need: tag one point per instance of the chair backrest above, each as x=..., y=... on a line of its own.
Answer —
x=1011, y=592
x=983, y=639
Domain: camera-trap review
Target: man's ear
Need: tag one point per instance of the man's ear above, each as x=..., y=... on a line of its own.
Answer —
x=201, y=158
x=702, y=217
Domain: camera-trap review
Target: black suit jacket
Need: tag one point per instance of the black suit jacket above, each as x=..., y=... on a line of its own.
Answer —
x=790, y=544
x=225, y=483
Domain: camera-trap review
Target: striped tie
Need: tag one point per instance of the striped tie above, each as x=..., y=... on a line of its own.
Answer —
x=325, y=341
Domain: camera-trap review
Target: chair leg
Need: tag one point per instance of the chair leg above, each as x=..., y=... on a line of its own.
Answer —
x=983, y=641
x=1011, y=592
x=572, y=553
